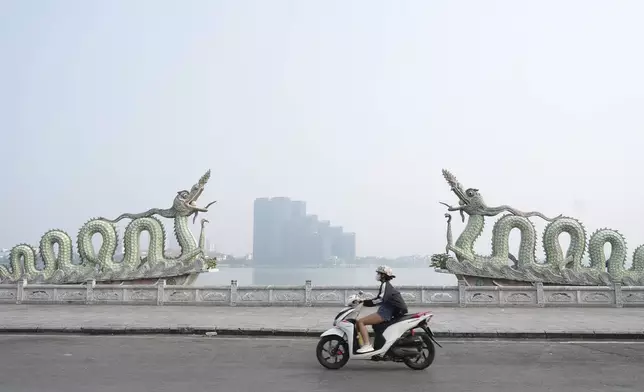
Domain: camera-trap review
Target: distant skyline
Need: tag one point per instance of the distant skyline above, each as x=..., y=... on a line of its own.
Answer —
x=285, y=233
x=113, y=106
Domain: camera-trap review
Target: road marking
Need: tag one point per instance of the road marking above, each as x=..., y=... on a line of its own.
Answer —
x=160, y=336
x=445, y=341
x=629, y=342
x=532, y=341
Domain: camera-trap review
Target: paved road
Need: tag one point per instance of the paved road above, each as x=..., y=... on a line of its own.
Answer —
x=39, y=363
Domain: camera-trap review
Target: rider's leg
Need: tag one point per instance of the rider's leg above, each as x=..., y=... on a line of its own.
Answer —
x=371, y=319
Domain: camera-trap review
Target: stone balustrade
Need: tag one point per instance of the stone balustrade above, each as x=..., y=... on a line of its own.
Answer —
x=535, y=295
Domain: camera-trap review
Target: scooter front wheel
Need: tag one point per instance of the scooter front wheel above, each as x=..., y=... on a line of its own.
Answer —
x=332, y=352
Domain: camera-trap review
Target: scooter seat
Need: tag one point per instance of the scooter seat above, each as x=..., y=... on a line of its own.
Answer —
x=380, y=328
x=402, y=318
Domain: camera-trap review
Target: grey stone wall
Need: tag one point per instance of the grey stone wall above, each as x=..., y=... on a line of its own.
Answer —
x=308, y=295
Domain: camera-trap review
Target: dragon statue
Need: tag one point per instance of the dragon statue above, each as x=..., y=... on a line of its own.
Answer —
x=557, y=268
x=101, y=266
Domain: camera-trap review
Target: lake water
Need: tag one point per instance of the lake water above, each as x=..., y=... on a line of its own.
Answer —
x=337, y=276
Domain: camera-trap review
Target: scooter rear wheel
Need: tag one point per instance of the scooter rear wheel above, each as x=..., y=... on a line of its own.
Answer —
x=332, y=352
x=425, y=356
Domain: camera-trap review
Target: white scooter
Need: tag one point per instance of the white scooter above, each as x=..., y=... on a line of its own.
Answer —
x=395, y=340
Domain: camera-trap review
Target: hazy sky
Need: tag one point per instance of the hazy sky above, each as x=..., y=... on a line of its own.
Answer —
x=352, y=106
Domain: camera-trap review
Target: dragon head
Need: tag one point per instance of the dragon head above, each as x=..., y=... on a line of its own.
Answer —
x=471, y=202
x=185, y=203
x=469, y=198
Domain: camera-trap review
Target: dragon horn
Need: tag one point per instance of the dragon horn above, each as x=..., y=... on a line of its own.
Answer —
x=451, y=180
x=204, y=179
x=457, y=188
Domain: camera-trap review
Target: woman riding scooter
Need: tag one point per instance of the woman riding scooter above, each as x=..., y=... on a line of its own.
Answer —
x=391, y=305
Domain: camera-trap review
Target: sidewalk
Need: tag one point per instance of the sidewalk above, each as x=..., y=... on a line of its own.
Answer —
x=571, y=323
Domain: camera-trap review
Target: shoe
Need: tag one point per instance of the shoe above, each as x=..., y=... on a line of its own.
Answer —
x=365, y=349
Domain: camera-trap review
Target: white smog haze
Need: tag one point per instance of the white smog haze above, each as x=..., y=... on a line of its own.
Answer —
x=352, y=106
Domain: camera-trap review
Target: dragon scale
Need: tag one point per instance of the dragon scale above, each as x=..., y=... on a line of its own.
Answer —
x=464, y=246
x=557, y=268
x=56, y=248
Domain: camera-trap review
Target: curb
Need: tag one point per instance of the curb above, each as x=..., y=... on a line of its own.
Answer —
x=311, y=333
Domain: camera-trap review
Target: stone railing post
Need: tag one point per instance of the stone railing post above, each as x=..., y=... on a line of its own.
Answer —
x=541, y=302
x=20, y=294
x=307, y=293
x=619, y=300
x=161, y=292
x=233, y=293
x=89, y=297
x=462, y=298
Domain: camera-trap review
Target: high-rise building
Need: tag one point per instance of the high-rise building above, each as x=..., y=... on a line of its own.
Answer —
x=264, y=234
x=210, y=247
x=346, y=246
x=284, y=235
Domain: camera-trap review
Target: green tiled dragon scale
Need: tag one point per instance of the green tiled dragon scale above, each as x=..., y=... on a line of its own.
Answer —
x=557, y=269
x=101, y=266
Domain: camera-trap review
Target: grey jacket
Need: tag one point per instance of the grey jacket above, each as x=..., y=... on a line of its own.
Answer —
x=388, y=296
